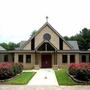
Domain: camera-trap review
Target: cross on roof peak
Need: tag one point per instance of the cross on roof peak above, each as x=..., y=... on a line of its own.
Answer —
x=46, y=18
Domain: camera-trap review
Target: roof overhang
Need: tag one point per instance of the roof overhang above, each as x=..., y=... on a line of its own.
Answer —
x=59, y=51
x=17, y=51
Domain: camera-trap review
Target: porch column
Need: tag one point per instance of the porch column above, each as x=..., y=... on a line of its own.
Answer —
x=59, y=60
x=10, y=58
x=87, y=58
x=1, y=57
x=16, y=58
x=35, y=59
x=77, y=58
x=36, y=62
x=80, y=58
x=55, y=57
x=24, y=58
x=68, y=58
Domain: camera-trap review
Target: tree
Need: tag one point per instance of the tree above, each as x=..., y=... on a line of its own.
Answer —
x=33, y=33
x=9, y=46
x=66, y=38
x=12, y=46
x=4, y=45
x=83, y=39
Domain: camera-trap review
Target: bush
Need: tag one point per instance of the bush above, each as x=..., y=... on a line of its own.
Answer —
x=80, y=71
x=17, y=68
x=8, y=70
x=82, y=74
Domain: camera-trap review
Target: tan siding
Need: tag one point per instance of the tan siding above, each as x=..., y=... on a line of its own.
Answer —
x=25, y=65
x=28, y=46
x=29, y=65
x=54, y=38
x=65, y=46
x=77, y=58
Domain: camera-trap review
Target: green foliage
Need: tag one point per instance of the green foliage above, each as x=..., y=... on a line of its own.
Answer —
x=33, y=33
x=4, y=45
x=83, y=39
x=66, y=38
x=9, y=70
x=83, y=75
x=9, y=46
x=80, y=71
x=17, y=68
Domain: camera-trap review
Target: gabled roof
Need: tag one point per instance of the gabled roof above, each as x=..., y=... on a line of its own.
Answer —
x=1, y=48
x=46, y=24
x=74, y=44
x=22, y=43
x=45, y=41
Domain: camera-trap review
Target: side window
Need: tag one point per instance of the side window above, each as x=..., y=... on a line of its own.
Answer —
x=5, y=58
x=20, y=58
x=72, y=58
x=64, y=59
x=28, y=58
x=83, y=58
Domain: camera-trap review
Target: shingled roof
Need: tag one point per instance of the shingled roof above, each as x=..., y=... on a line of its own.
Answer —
x=74, y=44
x=1, y=48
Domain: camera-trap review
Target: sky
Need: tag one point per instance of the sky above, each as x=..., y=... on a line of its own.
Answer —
x=18, y=18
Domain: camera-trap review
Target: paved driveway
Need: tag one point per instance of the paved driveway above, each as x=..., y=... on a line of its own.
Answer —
x=44, y=77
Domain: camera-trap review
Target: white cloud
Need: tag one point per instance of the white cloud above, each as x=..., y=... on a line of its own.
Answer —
x=18, y=18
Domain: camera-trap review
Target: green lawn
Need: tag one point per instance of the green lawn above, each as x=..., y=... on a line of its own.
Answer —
x=63, y=78
x=21, y=79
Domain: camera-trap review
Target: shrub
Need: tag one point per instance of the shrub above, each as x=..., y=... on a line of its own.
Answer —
x=8, y=70
x=80, y=71
x=82, y=74
x=17, y=68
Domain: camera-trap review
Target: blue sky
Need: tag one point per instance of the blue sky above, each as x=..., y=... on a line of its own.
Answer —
x=18, y=18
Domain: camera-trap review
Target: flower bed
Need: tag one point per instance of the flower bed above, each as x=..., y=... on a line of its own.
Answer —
x=80, y=71
x=8, y=70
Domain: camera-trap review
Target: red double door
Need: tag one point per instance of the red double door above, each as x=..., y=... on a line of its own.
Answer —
x=46, y=61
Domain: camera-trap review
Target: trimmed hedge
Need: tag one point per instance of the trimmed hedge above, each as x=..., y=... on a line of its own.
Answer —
x=8, y=70
x=80, y=71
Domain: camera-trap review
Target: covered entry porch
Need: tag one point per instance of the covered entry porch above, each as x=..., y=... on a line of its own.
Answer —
x=45, y=59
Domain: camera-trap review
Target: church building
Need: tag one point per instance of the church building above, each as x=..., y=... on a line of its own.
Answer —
x=46, y=49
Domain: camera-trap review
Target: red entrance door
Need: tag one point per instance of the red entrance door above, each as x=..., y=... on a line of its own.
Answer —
x=46, y=61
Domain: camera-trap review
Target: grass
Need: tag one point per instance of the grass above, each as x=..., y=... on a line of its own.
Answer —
x=21, y=79
x=63, y=78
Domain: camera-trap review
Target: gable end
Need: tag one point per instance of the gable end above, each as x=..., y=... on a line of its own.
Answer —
x=60, y=47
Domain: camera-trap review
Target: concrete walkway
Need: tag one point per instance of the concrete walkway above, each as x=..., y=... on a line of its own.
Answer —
x=44, y=77
x=25, y=87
